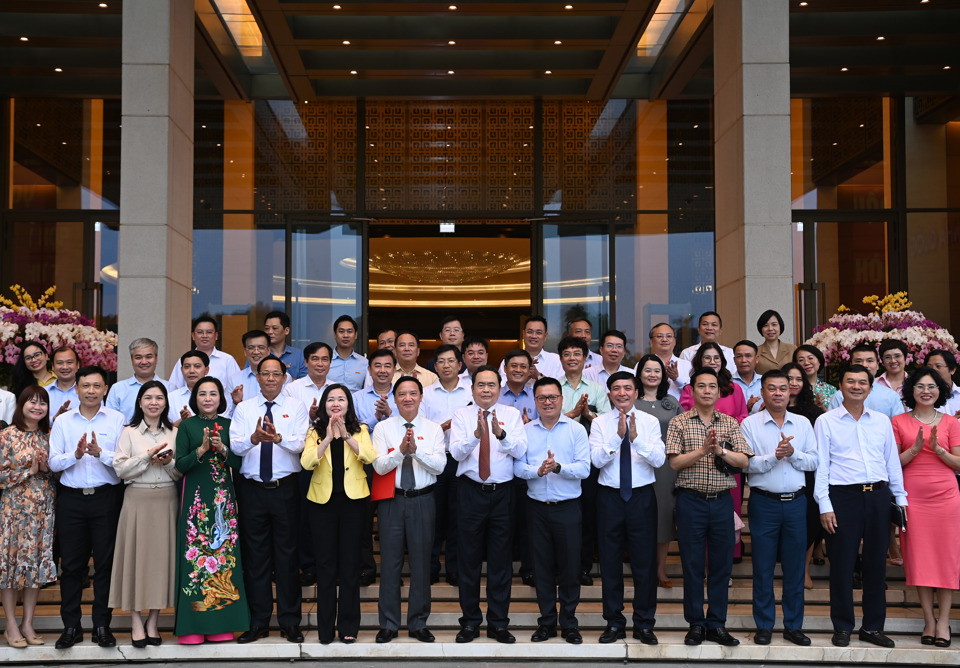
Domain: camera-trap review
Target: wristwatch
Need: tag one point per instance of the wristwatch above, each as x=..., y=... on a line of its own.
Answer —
x=723, y=453
x=556, y=467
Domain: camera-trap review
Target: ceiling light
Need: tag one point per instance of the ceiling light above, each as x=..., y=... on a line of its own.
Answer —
x=38, y=125
x=861, y=125
x=881, y=38
x=346, y=42
x=946, y=67
x=353, y=71
x=102, y=5
x=452, y=7
x=451, y=43
x=557, y=42
x=549, y=72
x=449, y=71
x=834, y=143
x=57, y=69
x=568, y=6
x=24, y=39
x=803, y=4
x=336, y=6
x=843, y=69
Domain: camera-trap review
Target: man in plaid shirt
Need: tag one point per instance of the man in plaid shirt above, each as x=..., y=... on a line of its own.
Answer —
x=696, y=440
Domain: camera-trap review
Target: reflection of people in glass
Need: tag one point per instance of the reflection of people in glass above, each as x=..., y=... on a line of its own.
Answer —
x=336, y=445
x=26, y=514
x=210, y=599
x=143, y=562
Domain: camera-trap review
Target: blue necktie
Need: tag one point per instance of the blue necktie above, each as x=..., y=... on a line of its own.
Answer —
x=626, y=472
x=266, y=450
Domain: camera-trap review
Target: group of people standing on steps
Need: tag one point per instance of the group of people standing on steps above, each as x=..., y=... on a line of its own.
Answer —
x=201, y=491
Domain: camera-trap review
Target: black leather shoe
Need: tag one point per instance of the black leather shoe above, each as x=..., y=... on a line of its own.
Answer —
x=292, y=633
x=70, y=637
x=841, y=638
x=367, y=578
x=876, y=638
x=385, y=635
x=139, y=644
x=434, y=578
x=612, y=634
x=103, y=637
x=646, y=636
x=763, y=636
x=544, y=633
x=453, y=579
x=796, y=636
x=423, y=635
x=308, y=579
x=528, y=580
x=572, y=636
x=154, y=641
x=501, y=635
x=586, y=580
x=468, y=633
x=255, y=633
x=720, y=636
x=694, y=635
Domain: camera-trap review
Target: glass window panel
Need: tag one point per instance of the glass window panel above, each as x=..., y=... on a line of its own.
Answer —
x=48, y=253
x=239, y=266
x=932, y=154
x=662, y=275
x=933, y=265
x=576, y=278
x=859, y=271
x=325, y=278
x=66, y=154
x=106, y=239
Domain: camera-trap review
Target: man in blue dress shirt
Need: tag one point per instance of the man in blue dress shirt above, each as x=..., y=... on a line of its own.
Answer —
x=556, y=460
x=277, y=326
x=63, y=392
x=123, y=393
x=857, y=476
x=784, y=448
x=347, y=366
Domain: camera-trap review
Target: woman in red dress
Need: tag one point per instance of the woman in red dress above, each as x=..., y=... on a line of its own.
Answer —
x=929, y=444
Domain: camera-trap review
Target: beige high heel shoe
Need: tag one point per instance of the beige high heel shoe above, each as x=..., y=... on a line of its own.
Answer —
x=34, y=640
x=19, y=644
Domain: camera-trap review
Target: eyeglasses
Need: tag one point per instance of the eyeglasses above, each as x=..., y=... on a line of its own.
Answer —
x=452, y=330
x=271, y=374
x=926, y=388
x=33, y=357
x=547, y=398
x=256, y=349
x=663, y=337
x=613, y=346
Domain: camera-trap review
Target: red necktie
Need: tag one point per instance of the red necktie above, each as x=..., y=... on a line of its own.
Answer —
x=485, y=450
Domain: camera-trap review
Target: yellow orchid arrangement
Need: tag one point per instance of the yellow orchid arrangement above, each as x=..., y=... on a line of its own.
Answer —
x=27, y=301
x=887, y=304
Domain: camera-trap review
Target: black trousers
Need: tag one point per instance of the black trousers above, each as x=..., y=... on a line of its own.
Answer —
x=630, y=525
x=588, y=502
x=445, y=533
x=269, y=541
x=308, y=563
x=485, y=519
x=87, y=523
x=336, y=528
x=367, y=563
x=860, y=516
x=555, y=531
x=521, y=537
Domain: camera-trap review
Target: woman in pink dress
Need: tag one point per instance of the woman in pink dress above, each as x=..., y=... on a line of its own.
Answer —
x=731, y=402
x=929, y=444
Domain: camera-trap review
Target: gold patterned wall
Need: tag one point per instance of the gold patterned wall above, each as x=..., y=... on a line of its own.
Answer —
x=453, y=156
x=306, y=156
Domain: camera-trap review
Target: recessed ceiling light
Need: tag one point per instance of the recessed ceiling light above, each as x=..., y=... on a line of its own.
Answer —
x=452, y=7
x=568, y=6
x=803, y=4
x=843, y=69
x=881, y=38
x=336, y=6
x=63, y=143
x=353, y=71
x=697, y=125
x=38, y=125
x=529, y=128
x=449, y=71
x=24, y=39
x=57, y=69
x=834, y=143
x=557, y=42
x=451, y=42
x=946, y=67
x=549, y=72
x=861, y=125
x=102, y=5
x=346, y=42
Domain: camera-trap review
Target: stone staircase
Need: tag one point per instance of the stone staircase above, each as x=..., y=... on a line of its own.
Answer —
x=904, y=623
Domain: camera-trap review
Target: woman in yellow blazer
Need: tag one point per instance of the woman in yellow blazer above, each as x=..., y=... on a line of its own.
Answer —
x=336, y=449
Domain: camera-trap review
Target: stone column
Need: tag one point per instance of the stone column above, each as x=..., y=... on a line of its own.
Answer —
x=754, y=265
x=156, y=193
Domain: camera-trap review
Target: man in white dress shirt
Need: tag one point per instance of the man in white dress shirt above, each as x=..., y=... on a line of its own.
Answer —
x=544, y=363
x=440, y=401
x=268, y=432
x=194, y=365
x=123, y=393
x=476, y=353
x=310, y=388
x=857, y=476
x=663, y=340
x=486, y=438
x=626, y=445
x=411, y=446
x=709, y=327
x=63, y=392
x=244, y=384
x=613, y=348
x=8, y=404
x=204, y=332
x=582, y=329
x=784, y=448
x=82, y=446
x=945, y=364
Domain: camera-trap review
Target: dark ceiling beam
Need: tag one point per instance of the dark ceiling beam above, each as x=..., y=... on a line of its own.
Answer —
x=685, y=53
x=217, y=55
x=279, y=40
x=622, y=47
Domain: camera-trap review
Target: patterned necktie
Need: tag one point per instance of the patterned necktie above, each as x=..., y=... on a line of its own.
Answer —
x=407, y=481
x=626, y=469
x=484, y=463
x=266, y=449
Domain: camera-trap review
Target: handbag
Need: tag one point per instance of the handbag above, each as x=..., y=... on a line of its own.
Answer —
x=722, y=464
x=898, y=515
x=385, y=485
